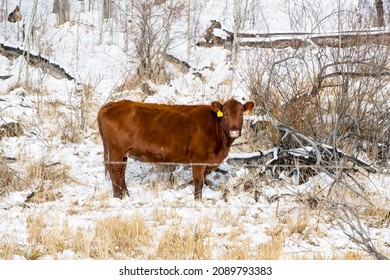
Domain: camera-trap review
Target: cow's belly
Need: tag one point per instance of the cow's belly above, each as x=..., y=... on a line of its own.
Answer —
x=175, y=154
x=156, y=154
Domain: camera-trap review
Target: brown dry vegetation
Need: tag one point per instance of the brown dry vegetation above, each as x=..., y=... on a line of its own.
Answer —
x=7, y=178
x=120, y=237
x=111, y=242
x=189, y=243
x=117, y=237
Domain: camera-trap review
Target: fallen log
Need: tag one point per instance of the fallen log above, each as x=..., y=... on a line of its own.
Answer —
x=37, y=61
x=5, y=77
x=215, y=35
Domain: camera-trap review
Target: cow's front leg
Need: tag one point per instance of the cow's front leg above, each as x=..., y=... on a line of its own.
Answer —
x=117, y=173
x=198, y=174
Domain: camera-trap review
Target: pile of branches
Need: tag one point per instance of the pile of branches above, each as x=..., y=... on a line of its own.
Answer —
x=304, y=157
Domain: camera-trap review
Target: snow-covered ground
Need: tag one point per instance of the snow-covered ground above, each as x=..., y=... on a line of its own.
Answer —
x=59, y=130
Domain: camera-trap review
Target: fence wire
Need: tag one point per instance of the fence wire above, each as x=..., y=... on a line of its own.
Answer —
x=351, y=166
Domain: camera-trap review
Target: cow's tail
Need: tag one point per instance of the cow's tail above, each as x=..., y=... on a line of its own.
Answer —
x=105, y=151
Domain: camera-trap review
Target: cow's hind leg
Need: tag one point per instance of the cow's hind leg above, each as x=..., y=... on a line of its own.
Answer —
x=198, y=174
x=117, y=169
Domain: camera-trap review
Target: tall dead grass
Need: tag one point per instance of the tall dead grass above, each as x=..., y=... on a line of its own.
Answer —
x=189, y=243
x=118, y=237
x=49, y=236
x=7, y=177
x=48, y=180
x=121, y=237
x=114, y=238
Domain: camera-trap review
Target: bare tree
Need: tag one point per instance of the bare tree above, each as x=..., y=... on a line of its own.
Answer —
x=380, y=13
x=107, y=8
x=188, y=28
x=61, y=8
x=106, y=12
x=237, y=19
x=151, y=36
x=3, y=10
x=27, y=44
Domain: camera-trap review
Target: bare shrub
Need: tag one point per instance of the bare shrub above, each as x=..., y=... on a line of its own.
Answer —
x=83, y=106
x=130, y=82
x=335, y=92
x=151, y=36
x=337, y=95
x=80, y=116
x=349, y=220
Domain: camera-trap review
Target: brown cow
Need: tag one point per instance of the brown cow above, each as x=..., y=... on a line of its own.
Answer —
x=168, y=133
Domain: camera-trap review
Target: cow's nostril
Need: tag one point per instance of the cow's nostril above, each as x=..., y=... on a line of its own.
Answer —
x=234, y=133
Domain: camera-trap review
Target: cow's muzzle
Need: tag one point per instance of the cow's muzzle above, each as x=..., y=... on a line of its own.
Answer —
x=234, y=133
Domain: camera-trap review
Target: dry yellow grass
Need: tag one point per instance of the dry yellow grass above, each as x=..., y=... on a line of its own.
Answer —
x=130, y=82
x=119, y=237
x=48, y=179
x=35, y=227
x=47, y=236
x=352, y=256
x=190, y=243
x=378, y=215
x=272, y=249
x=127, y=238
x=9, y=248
x=7, y=177
x=237, y=251
x=114, y=238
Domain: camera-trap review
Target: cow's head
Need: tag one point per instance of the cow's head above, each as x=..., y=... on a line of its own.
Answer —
x=231, y=114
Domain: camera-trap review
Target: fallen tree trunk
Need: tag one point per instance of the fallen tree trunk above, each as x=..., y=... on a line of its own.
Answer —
x=215, y=35
x=37, y=61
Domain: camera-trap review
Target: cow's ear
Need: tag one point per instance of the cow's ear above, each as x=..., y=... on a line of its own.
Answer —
x=248, y=107
x=216, y=106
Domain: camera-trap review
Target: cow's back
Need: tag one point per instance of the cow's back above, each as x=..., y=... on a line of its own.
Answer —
x=160, y=133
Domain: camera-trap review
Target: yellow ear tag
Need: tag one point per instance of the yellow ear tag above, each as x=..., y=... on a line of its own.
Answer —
x=219, y=114
x=246, y=111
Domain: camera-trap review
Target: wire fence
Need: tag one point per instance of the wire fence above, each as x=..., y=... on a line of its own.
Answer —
x=234, y=163
x=351, y=166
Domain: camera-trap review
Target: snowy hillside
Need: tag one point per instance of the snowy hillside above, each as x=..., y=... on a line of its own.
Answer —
x=55, y=202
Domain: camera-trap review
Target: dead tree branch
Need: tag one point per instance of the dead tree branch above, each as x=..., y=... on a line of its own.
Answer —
x=349, y=221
